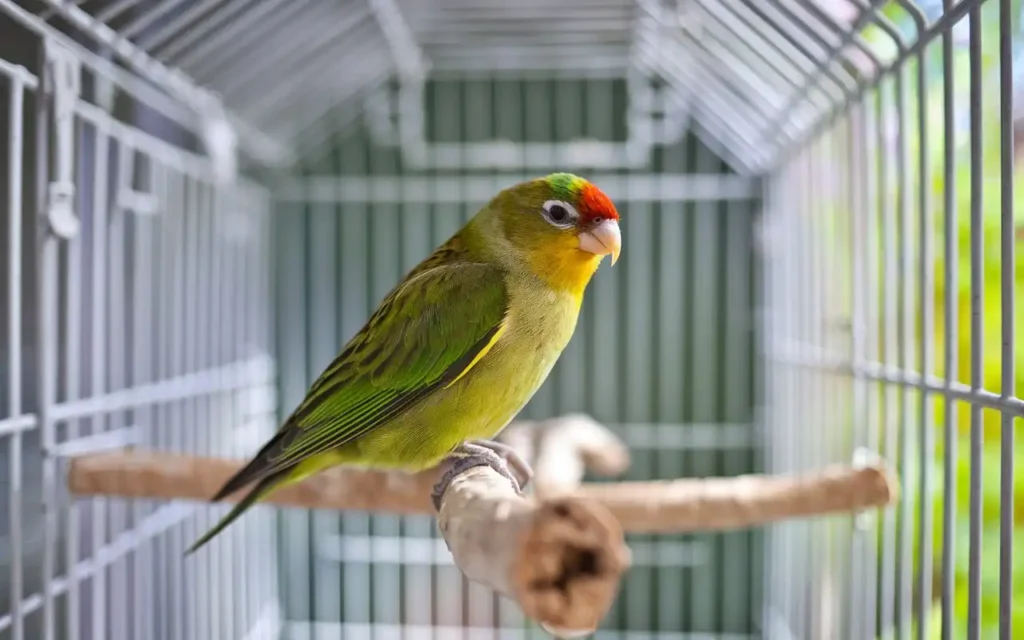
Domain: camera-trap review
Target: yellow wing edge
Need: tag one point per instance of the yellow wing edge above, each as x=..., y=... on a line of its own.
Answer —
x=483, y=352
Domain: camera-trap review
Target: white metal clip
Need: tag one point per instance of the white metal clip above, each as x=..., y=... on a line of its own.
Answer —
x=221, y=142
x=65, y=77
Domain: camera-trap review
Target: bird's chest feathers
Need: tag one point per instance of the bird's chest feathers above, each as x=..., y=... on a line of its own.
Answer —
x=542, y=319
x=539, y=326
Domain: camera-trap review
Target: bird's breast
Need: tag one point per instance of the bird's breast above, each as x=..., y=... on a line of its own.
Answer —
x=539, y=326
x=482, y=402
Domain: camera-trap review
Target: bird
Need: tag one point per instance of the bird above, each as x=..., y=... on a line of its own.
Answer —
x=454, y=351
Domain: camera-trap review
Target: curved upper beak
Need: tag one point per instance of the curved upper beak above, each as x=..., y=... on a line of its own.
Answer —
x=602, y=240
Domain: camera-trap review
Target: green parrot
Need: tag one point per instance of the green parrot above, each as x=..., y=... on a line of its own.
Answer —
x=454, y=351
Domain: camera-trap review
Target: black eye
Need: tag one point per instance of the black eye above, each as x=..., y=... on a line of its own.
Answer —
x=598, y=220
x=560, y=214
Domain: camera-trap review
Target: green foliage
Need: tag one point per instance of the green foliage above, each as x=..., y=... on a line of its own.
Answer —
x=991, y=228
x=991, y=509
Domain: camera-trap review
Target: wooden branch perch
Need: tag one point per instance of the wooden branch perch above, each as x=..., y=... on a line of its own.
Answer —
x=707, y=504
x=561, y=560
x=559, y=553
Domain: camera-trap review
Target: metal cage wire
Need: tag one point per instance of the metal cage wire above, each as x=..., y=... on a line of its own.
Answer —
x=807, y=154
x=131, y=321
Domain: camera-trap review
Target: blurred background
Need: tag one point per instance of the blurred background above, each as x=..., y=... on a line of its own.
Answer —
x=204, y=200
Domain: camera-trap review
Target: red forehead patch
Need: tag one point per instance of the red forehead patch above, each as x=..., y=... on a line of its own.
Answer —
x=594, y=203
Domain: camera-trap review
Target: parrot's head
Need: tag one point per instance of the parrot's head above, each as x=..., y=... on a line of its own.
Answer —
x=559, y=226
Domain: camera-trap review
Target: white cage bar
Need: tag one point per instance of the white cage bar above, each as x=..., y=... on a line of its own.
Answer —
x=205, y=198
x=133, y=320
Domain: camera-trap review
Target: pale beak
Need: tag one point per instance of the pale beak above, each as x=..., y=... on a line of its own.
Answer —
x=602, y=240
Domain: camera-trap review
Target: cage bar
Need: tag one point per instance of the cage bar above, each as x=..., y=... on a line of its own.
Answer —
x=789, y=296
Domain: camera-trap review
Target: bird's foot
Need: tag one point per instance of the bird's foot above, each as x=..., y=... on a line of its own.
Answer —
x=499, y=457
x=523, y=472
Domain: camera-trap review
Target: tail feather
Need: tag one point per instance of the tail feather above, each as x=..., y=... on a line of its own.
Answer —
x=258, y=468
x=264, y=487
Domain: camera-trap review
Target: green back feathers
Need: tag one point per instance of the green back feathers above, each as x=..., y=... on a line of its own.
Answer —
x=424, y=335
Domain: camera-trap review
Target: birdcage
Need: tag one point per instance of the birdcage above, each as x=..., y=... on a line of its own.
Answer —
x=205, y=199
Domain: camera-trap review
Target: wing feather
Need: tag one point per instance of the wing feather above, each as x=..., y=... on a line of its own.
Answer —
x=428, y=332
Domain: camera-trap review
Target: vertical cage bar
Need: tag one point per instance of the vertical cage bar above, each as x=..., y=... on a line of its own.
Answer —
x=230, y=206
x=1008, y=274
x=98, y=370
x=812, y=216
x=182, y=625
x=15, y=155
x=905, y=357
x=192, y=431
x=227, y=318
x=827, y=257
x=239, y=615
x=810, y=596
x=116, y=333
x=180, y=418
x=950, y=285
x=926, y=304
x=144, y=257
x=785, y=302
x=74, y=274
x=799, y=559
x=764, y=409
x=161, y=438
x=858, y=214
x=209, y=437
x=844, y=223
x=977, y=324
x=890, y=348
x=208, y=434
x=782, y=309
x=225, y=425
x=221, y=416
x=228, y=418
x=47, y=301
x=873, y=168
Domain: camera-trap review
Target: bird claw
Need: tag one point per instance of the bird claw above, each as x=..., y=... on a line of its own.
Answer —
x=523, y=472
x=499, y=457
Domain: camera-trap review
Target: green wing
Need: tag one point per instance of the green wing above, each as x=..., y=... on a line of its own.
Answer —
x=426, y=334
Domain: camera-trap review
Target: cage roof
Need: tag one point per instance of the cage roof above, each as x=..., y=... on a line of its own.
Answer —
x=750, y=76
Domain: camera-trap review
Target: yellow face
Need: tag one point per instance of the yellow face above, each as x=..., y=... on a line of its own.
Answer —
x=562, y=226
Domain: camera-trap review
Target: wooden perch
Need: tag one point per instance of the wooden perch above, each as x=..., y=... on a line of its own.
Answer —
x=561, y=560
x=718, y=504
x=642, y=507
x=559, y=553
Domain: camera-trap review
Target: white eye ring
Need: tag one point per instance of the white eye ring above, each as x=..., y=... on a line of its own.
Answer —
x=566, y=221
